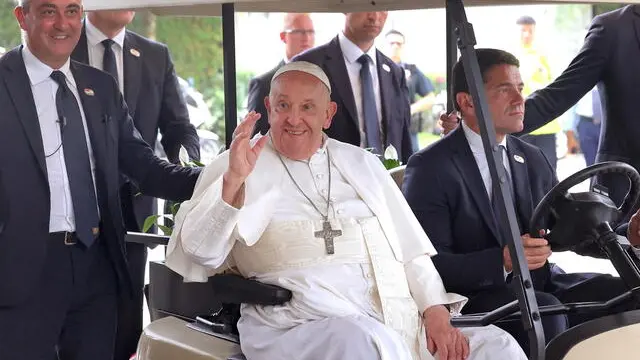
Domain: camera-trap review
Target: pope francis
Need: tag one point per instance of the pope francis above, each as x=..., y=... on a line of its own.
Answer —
x=325, y=220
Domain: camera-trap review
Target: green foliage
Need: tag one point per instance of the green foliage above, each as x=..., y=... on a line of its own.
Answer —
x=196, y=49
x=571, y=17
x=603, y=8
x=151, y=220
x=9, y=28
x=438, y=80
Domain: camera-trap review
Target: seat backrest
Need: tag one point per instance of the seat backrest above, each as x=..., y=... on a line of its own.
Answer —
x=397, y=173
x=169, y=294
x=610, y=337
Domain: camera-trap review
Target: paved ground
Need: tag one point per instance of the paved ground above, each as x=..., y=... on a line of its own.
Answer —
x=569, y=261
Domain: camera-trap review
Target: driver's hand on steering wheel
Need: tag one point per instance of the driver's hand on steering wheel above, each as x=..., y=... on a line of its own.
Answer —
x=633, y=233
x=536, y=250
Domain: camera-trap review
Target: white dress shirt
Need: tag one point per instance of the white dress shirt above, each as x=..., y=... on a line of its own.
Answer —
x=44, y=90
x=351, y=53
x=475, y=143
x=96, y=50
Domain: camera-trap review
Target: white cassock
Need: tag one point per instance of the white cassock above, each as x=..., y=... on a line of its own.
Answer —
x=362, y=302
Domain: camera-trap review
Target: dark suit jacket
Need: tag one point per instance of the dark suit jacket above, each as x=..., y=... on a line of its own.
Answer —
x=152, y=93
x=24, y=190
x=259, y=88
x=453, y=207
x=609, y=58
x=396, y=114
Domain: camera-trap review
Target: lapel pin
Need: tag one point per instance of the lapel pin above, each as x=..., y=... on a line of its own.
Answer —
x=89, y=92
x=135, y=52
x=386, y=67
x=518, y=158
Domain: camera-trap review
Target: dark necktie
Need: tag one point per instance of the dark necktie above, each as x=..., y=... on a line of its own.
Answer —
x=109, y=59
x=76, y=157
x=369, y=109
x=494, y=198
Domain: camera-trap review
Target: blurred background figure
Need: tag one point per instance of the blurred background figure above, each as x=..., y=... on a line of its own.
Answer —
x=536, y=74
x=588, y=117
x=298, y=35
x=421, y=90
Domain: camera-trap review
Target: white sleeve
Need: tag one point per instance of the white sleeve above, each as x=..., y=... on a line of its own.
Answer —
x=427, y=288
x=202, y=236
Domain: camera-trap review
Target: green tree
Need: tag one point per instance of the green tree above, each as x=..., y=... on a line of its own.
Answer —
x=196, y=48
x=603, y=8
x=9, y=29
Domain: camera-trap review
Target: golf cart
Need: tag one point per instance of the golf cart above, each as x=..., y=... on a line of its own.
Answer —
x=582, y=221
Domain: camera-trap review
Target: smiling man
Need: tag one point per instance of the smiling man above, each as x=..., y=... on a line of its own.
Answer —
x=65, y=135
x=325, y=220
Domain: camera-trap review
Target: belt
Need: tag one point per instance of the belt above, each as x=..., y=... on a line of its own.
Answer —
x=69, y=238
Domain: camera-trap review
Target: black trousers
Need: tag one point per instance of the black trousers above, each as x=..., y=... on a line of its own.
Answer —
x=71, y=314
x=599, y=288
x=130, y=308
x=130, y=312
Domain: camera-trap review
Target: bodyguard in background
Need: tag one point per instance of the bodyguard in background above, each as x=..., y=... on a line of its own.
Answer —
x=421, y=91
x=297, y=35
x=371, y=90
x=146, y=76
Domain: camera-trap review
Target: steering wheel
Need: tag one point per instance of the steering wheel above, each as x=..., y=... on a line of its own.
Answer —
x=581, y=213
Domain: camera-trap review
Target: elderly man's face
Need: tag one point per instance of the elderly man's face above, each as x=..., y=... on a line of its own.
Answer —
x=299, y=109
x=53, y=28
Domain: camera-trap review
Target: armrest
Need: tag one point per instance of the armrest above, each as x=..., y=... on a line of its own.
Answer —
x=235, y=289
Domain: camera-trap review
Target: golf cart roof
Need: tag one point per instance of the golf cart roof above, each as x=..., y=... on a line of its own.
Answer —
x=214, y=7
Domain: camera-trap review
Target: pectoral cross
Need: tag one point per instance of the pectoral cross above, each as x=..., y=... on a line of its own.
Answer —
x=328, y=234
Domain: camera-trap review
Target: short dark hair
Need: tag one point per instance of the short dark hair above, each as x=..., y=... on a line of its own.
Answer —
x=487, y=58
x=395, y=32
x=526, y=20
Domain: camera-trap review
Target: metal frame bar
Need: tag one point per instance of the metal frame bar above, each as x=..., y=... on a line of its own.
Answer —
x=229, y=68
x=521, y=277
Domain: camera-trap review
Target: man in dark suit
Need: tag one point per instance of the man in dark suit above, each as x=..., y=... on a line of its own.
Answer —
x=373, y=100
x=609, y=59
x=146, y=76
x=66, y=135
x=454, y=205
x=421, y=90
x=297, y=35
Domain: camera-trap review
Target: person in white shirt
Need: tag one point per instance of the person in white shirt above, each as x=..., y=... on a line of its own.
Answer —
x=323, y=219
